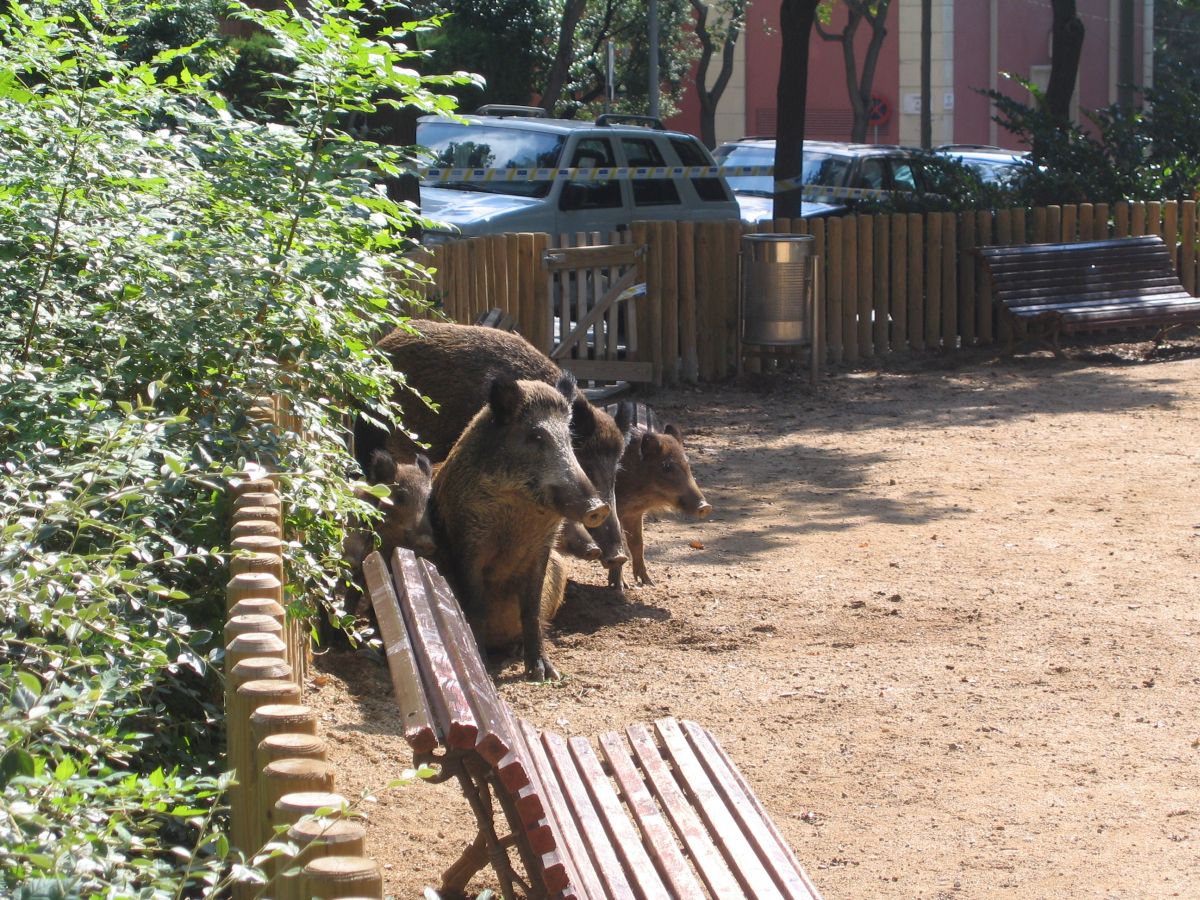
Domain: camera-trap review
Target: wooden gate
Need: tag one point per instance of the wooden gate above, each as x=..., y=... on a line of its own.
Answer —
x=593, y=322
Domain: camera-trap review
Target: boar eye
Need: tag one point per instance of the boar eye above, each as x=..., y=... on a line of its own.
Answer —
x=535, y=436
x=399, y=495
x=668, y=466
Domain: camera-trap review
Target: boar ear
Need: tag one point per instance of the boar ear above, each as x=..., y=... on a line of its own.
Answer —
x=383, y=468
x=651, y=445
x=583, y=419
x=624, y=417
x=566, y=384
x=504, y=397
x=424, y=464
x=674, y=432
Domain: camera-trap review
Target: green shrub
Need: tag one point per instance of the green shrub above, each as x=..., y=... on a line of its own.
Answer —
x=162, y=262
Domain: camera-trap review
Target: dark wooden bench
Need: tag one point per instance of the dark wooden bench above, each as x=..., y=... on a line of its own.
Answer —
x=658, y=811
x=1089, y=286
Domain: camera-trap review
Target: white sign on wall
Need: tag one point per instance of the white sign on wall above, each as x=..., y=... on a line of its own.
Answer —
x=911, y=104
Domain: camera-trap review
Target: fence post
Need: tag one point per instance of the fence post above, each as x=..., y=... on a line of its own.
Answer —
x=686, y=260
x=966, y=278
x=850, y=300
x=1187, y=252
x=866, y=284
x=879, y=298
x=668, y=268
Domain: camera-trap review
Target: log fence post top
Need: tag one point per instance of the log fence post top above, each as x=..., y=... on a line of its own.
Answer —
x=257, y=606
x=356, y=871
x=272, y=514
x=284, y=716
x=258, y=543
x=255, y=644
x=336, y=833
x=243, y=561
x=251, y=483
x=270, y=690
x=301, y=773
x=255, y=525
x=292, y=745
x=259, y=668
x=254, y=584
x=294, y=807
x=248, y=623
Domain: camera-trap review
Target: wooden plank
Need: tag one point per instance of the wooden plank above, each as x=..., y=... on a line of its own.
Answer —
x=915, y=315
x=1154, y=217
x=512, y=297
x=984, y=312
x=850, y=289
x=586, y=818
x=1100, y=222
x=1040, y=235
x=657, y=835
x=933, y=280
x=703, y=259
x=527, y=275
x=1170, y=230
x=1137, y=223
x=639, y=336
x=1053, y=224
x=415, y=715
x=654, y=298
x=587, y=256
x=464, y=282
x=1087, y=215
x=755, y=821
x=622, y=834
x=540, y=308
x=1121, y=220
x=879, y=288
x=967, y=264
x=1187, y=250
x=866, y=284
x=730, y=246
x=898, y=296
x=820, y=249
x=834, y=289
x=740, y=856
x=458, y=724
x=1070, y=223
x=559, y=870
x=1004, y=236
x=693, y=834
x=949, y=277
x=499, y=260
x=669, y=294
x=576, y=339
x=686, y=261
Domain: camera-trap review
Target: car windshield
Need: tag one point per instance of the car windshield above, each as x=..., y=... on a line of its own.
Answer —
x=454, y=145
x=825, y=169
x=992, y=170
x=736, y=155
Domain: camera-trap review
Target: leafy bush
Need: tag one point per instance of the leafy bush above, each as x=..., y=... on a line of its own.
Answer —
x=162, y=263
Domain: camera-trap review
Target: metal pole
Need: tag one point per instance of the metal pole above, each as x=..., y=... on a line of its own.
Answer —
x=610, y=91
x=652, y=16
x=926, y=74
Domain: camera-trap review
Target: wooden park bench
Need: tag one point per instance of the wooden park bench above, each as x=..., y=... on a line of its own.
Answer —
x=1089, y=286
x=659, y=812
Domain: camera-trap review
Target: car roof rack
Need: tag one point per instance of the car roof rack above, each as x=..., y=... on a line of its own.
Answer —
x=508, y=109
x=606, y=119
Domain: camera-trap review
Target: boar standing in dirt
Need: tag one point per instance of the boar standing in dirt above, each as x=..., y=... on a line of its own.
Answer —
x=453, y=366
x=498, y=502
x=653, y=476
x=405, y=517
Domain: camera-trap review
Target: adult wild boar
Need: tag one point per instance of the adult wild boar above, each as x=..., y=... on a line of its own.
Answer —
x=453, y=365
x=498, y=501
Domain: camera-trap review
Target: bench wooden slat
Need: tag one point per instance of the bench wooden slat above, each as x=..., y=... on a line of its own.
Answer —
x=1164, y=302
x=587, y=819
x=458, y=725
x=740, y=856
x=571, y=845
x=460, y=645
x=736, y=784
x=659, y=838
x=402, y=664
x=753, y=819
x=1053, y=249
x=557, y=867
x=707, y=858
x=624, y=837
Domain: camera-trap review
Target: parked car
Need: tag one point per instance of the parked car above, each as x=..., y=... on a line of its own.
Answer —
x=514, y=138
x=828, y=164
x=994, y=165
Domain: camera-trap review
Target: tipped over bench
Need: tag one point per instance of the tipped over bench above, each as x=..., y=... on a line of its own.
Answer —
x=654, y=811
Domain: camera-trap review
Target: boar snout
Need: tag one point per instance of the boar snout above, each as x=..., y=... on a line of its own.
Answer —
x=596, y=514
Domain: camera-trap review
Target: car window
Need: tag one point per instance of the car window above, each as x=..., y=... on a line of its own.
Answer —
x=824, y=169
x=592, y=153
x=871, y=173
x=454, y=145
x=691, y=153
x=903, y=176
x=648, y=191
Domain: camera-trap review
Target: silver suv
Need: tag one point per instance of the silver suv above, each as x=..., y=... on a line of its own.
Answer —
x=510, y=139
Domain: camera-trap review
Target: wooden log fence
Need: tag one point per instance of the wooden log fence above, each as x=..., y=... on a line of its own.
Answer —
x=284, y=783
x=890, y=283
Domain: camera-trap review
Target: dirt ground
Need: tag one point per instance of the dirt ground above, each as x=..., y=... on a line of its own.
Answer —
x=945, y=618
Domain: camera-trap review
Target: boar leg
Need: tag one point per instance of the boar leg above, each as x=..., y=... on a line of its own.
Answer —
x=633, y=537
x=537, y=666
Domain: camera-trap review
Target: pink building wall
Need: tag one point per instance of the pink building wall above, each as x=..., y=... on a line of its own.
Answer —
x=1022, y=42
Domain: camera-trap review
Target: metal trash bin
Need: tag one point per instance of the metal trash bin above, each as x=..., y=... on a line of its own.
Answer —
x=777, y=296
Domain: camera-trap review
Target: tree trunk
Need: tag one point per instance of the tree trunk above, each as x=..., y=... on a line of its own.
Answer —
x=858, y=87
x=1066, y=48
x=710, y=98
x=791, y=99
x=561, y=67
